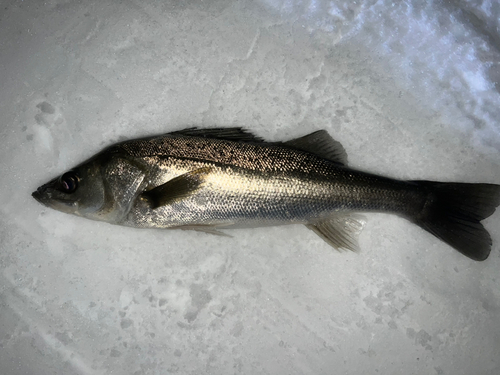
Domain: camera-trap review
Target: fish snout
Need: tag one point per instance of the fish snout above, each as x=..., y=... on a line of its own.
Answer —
x=43, y=193
x=36, y=195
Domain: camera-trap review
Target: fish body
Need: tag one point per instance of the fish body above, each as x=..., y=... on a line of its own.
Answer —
x=212, y=179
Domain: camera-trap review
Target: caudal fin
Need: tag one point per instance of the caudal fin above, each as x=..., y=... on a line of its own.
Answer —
x=453, y=213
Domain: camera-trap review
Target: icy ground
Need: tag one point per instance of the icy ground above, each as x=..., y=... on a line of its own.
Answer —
x=411, y=91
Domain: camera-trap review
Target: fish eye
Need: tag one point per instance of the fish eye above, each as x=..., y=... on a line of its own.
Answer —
x=69, y=182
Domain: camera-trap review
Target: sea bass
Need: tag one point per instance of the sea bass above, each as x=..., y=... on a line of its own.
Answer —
x=213, y=179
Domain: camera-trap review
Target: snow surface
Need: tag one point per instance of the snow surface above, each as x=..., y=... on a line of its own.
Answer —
x=411, y=89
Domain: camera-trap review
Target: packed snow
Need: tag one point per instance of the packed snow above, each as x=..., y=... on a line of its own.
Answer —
x=410, y=88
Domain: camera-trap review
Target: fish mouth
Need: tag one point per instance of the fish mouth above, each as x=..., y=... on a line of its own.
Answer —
x=42, y=196
x=38, y=196
x=48, y=199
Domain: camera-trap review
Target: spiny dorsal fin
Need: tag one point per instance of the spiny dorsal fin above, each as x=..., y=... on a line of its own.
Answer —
x=177, y=188
x=322, y=144
x=340, y=230
x=228, y=134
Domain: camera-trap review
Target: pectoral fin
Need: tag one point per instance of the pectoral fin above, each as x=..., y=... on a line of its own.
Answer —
x=177, y=188
x=340, y=230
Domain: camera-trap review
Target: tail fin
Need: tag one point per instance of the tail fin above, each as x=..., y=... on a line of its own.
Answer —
x=453, y=212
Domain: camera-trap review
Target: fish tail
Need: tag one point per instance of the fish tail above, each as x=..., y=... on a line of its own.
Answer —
x=453, y=212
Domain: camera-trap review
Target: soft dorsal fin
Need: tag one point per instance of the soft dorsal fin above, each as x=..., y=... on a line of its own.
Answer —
x=228, y=134
x=322, y=144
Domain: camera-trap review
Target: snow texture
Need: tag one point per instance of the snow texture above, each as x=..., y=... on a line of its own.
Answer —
x=410, y=88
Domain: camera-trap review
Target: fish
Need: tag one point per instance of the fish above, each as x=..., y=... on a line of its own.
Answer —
x=214, y=179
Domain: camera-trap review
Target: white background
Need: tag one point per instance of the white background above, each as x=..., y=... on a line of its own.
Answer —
x=410, y=90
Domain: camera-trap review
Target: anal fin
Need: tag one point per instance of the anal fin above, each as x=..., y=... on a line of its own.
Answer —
x=341, y=230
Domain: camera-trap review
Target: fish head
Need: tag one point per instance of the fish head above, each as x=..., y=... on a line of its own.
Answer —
x=79, y=191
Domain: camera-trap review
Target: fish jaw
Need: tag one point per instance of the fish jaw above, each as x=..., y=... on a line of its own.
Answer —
x=49, y=195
